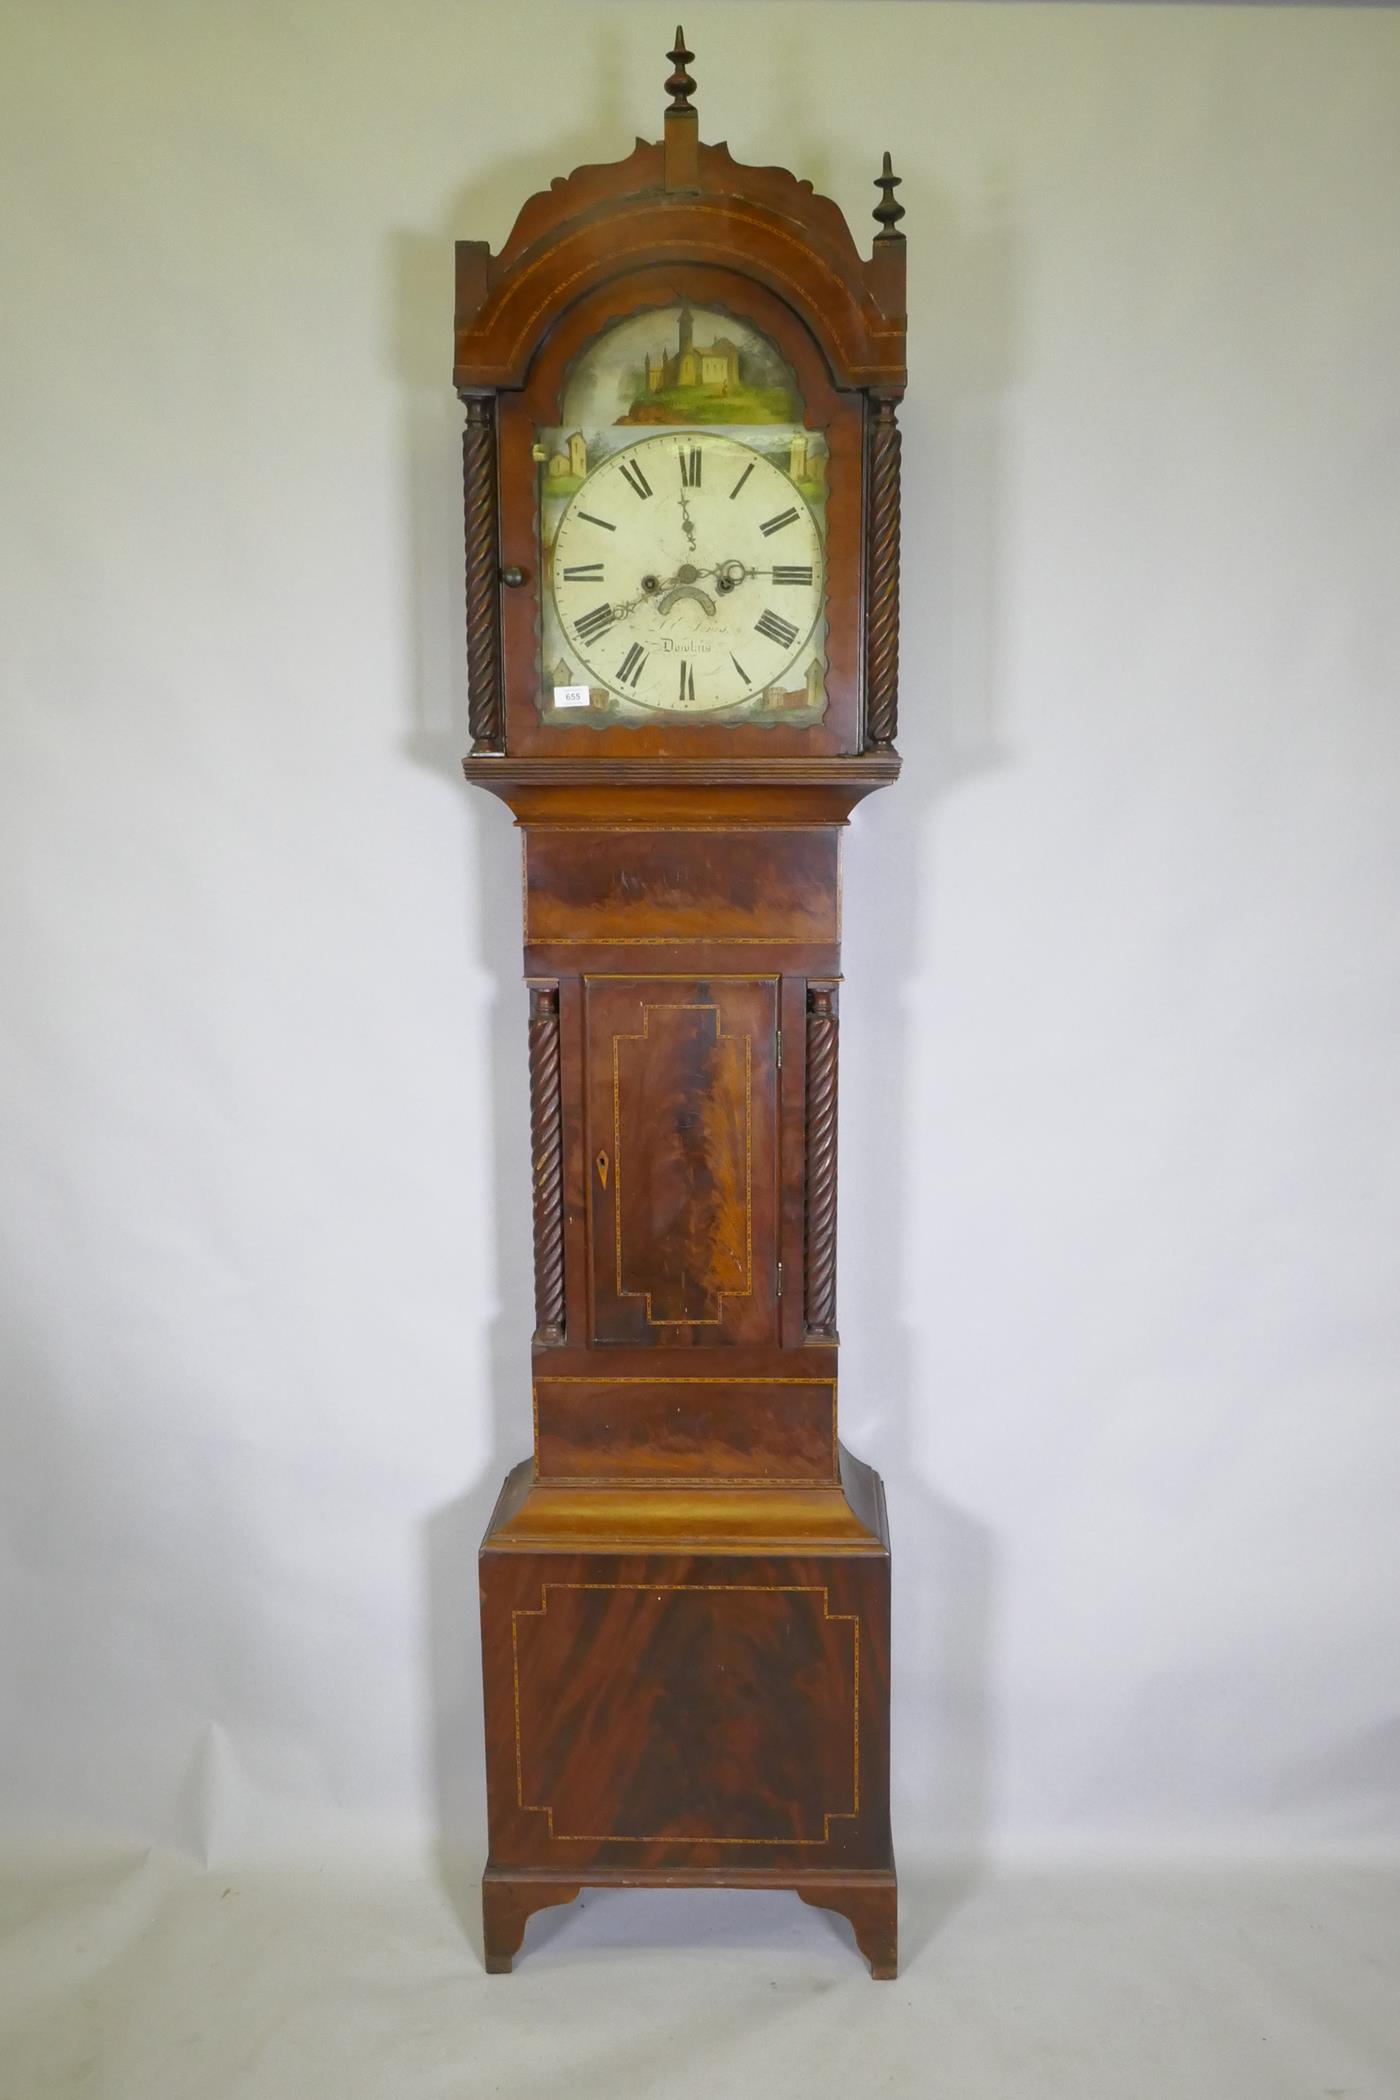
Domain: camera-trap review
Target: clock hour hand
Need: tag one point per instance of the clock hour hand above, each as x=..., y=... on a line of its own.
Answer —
x=687, y=522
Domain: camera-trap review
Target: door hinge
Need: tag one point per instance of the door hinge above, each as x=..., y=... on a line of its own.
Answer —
x=780, y=1279
x=780, y=1053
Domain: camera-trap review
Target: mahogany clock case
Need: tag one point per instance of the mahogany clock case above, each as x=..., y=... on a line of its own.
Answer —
x=685, y=1588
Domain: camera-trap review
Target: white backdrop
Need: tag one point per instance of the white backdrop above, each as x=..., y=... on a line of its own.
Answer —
x=1120, y=1108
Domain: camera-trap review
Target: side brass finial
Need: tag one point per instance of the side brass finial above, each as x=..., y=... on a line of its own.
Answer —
x=888, y=211
x=680, y=87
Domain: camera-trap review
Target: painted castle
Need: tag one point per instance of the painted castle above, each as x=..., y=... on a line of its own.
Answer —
x=714, y=367
x=571, y=461
x=797, y=699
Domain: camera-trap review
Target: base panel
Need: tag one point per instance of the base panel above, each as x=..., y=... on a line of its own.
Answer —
x=697, y=1703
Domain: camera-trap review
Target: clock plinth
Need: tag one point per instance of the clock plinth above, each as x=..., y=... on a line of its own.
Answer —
x=681, y=629
x=688, y=1687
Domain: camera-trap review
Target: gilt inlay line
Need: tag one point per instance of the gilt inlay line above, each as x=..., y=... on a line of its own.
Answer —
x=677, y=940
x=673, y=1837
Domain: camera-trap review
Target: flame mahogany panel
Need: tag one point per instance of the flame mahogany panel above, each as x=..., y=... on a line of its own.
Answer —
x=687, y=1710
x=681, y=1094
x=650, y=1644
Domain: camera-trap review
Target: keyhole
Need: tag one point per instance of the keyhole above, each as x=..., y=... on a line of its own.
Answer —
x=602, y=1165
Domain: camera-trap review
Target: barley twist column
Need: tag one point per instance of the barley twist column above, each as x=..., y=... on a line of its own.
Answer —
x=882, y=619
x=547, y=1161
x=482, y=574
x=821, y=1160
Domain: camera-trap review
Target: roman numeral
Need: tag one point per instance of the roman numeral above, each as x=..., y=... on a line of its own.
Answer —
x=636, y=480
x=589, y=572
x=776, y=630
x=792, y=574
x=588, y=515
x=742, y=479
x=630, y=669
x=690, y=468
x=686, y=695
x=598, y=622
x=739, y=668
x=784, y=517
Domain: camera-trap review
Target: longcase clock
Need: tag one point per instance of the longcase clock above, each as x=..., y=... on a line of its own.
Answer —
x=681, y=468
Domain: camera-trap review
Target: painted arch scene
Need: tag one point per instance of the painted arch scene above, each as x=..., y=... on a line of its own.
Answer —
x=696, y=368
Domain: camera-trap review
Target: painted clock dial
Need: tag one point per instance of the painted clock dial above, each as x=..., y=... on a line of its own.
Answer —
x=683, y=530
x=687, y=574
